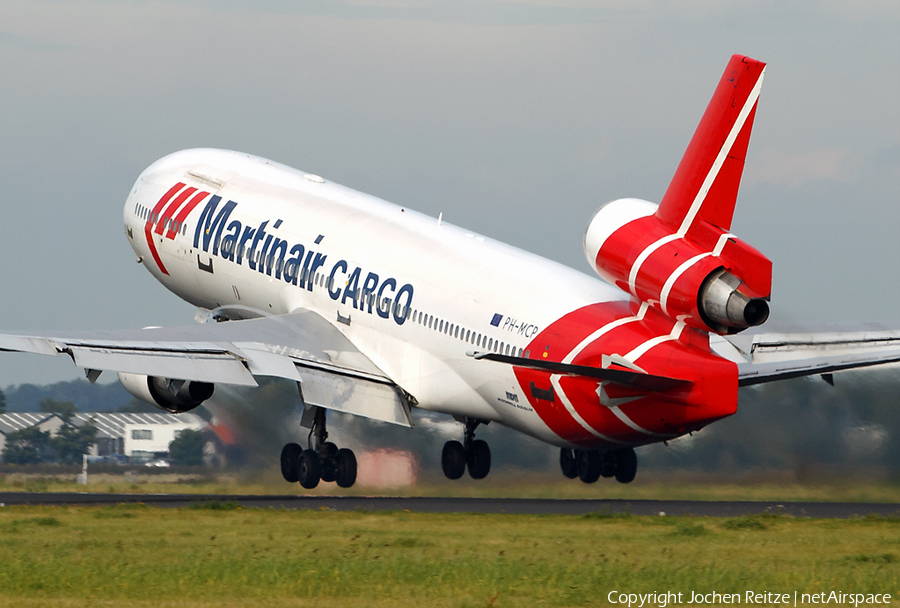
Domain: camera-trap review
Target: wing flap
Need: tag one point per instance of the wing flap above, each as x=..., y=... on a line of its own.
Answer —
x=355, y=396
x=223, y=368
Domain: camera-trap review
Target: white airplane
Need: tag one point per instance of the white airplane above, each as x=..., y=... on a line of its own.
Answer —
x=375, y=309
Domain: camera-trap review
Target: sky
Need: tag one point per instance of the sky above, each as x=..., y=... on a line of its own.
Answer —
x=515, y=119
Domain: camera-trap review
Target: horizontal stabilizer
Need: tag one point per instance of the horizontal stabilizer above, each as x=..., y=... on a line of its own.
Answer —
x=638, y=380
x=759, y=373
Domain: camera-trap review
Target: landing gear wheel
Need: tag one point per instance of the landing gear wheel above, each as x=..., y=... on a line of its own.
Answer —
x=453, y=460
x=478, y=459
x=567, y=463
x=626, y=465
x=327, y=454
x=607, y=464
x=309, y=469
x=345, y=468
x=588, y=463
x=289, y=455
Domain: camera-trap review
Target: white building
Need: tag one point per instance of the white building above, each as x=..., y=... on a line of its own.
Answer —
x=133, y=435
x=146, y=438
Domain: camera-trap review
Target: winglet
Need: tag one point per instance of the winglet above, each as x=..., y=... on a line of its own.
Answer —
x=705, y=185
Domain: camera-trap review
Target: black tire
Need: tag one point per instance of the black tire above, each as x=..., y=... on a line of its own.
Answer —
x=453, y=460
x=326, y=458
x=567, y=463
x=309, y=469
x=626, y=465
x=345, y=468
x=478, y=459
x=607, y=464
x=589, y=462
x=289, y=455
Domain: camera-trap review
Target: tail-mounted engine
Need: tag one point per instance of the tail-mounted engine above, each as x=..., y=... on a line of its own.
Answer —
x=680, y=255
x=174, y=396
x=707, y=278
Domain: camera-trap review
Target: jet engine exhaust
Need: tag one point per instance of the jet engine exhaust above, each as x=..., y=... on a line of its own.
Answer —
x=724, y=307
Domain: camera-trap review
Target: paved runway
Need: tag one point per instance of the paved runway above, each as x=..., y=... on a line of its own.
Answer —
x=472, y=505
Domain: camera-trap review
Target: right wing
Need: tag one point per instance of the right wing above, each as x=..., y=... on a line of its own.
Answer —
x=766, y=357
x=300, y=346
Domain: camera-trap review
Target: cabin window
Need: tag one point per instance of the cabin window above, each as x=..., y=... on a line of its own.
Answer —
x=141, y=434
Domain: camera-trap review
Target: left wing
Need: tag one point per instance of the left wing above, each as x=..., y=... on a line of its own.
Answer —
x=300, y=346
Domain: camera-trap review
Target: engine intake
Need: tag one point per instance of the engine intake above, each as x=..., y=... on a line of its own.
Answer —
x=173, y=396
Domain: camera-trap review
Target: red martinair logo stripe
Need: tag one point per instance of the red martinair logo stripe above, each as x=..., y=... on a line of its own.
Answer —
x=163, y=219
x=154, y=214
x=170, y=210
x=185, y=211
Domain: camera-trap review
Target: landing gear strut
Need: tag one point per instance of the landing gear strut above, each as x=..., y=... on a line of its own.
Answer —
x=473, y=454
x=323, y=460
x=590, y=465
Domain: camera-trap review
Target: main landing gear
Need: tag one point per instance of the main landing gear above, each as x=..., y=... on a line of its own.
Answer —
x=473, y=454
x=590, y=465
x=322, y=461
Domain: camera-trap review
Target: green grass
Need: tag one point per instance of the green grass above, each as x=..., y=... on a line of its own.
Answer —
x=219, y=554
x=770, y=486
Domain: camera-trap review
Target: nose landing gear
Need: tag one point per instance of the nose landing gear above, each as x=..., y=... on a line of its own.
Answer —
x=590, y=465
x=322, y=461
x=473, y=454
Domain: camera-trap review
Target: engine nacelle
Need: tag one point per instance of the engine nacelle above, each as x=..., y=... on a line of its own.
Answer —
x=706, y=277
x=173, y=396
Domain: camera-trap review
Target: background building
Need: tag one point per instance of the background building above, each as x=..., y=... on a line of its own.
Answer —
x=139, y=436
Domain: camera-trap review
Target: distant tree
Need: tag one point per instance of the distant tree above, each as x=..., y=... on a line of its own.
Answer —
x=187, y=448
x=2, y=403
x=27, y=446
x=66, y=409
x=136, y=406
x=71, y=442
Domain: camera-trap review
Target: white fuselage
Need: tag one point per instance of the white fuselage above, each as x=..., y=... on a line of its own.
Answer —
x=454, y=283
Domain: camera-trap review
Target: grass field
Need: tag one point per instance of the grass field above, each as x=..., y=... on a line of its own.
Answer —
x=220, y=555
x=501, y=483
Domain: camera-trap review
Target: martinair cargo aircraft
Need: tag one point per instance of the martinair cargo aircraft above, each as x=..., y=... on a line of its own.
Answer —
x=375, y=309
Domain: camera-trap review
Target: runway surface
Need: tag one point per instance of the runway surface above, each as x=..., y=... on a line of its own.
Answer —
x=534, y=506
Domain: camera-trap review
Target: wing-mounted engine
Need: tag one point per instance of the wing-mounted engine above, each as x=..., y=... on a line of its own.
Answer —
x=174, y=396
x=680, y=256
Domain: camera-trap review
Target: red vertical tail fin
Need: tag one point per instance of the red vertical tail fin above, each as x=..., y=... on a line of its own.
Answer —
x=706, y=182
